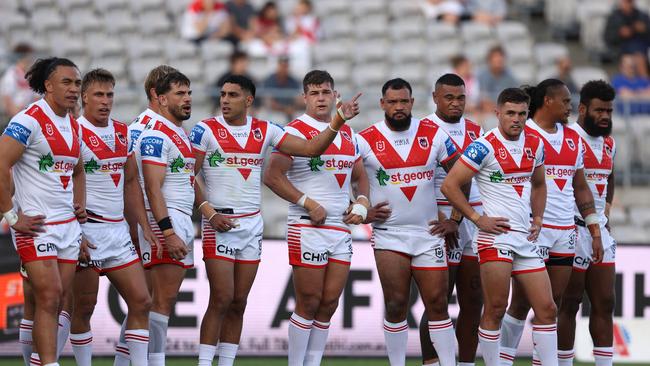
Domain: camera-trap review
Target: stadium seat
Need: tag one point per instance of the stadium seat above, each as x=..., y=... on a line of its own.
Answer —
x=474, y=31
x=547, y=53
x=592, y=16
x=406, y=28
x=175, y=49
x=404, y=9
x=546, y=72
x=32, y=5
x=214, y=49
x=524, y=73
x=443, y=51
x=329, y=8
x=191, y=67
x=412, y=72
x=478, y=50
x=509, y=31
x=338, y=26
x=139, y=69
x=328, y=50
x=560, y=14
x=372, y=26
x=214, y=69
x=519, y=50
x=582, y=74
x=154, y=23
x=407, y=50
x=67, y=45
x=47, y=19
x=340, y=70
x=67, y=5
x=137, y=47
x=119, y=21
x=115, y=64
x=364, y=8
x=369, y=73
x=104, y=46
x=441, y=31
x=142, y=5
x=373, y=50
x=106, y=5
x=11, y=21
x=83, y=21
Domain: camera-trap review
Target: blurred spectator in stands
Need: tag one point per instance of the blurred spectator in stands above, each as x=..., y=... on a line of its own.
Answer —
x=304, y=23
x=632, y=88
x=204, y=19
x=15, y=93
x=448, y=11
x=563, y=73
x=241, y=14
x=269, y=38
x=494, y=78
x=628, y=29
x=463, y=67
x=238, y=66
x=282, y=91
x=489, y=12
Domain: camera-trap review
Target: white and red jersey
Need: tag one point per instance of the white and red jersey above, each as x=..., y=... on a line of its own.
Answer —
x=401, y=167
x=325, y=178
x=598, y=163
x=138, y=125
x=167, y=145
x=104, y=151
x=504, y=170
x=562, y=157
x=462, y=134
x=233, y=160
x=43, y=174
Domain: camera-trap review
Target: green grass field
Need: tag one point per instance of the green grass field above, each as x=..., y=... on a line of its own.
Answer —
x=268, y=362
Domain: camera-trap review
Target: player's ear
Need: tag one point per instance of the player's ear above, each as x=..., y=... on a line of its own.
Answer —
x=249, y=100
x=582, y=109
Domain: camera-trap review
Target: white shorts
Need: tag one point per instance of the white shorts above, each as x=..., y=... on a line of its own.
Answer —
x=242, y=244
x=512, y=247
x=427, y=252
x=466, y=232
x=59, y=241
x=557, y=246
x=582, y=260
x=184, y=229
x=114, y=251
x=315, y=246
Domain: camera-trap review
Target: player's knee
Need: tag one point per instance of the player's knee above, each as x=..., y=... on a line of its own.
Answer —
x=238, y=306
x=163, y=303
x=328, y=307
x=309, y=304
x=437, y=307
x=546, y=312
x=49, y=299
x=519, y=309
x=85, y=306
x=140, y=303
x=496, y=310
x=396, y=307
x=570, y=304
x=221, y=303
x=604, y=305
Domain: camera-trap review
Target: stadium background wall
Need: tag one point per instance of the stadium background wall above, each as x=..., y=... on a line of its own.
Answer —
x=356, y=326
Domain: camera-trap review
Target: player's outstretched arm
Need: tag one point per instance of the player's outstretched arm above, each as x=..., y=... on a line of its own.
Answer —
x=585, y=203
x=79, y=191
x=10, y=152
x=537, y=200
x=296, y=146
x=358, y=210
x=154, y=177
x=275, y=177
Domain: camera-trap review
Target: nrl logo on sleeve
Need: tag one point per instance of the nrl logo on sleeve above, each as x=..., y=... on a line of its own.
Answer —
x=570, y=144
x=471, y=135
x=222, y=133
x=94, y=141
x=423, y=142
x=503, y=154
x=49, y=129
x=380, y=146
x=257, y=134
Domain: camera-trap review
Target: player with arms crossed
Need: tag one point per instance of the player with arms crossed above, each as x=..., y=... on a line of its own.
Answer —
x=167, y=165
x=230, y=149
x=402, y=154
x=449, y=97
x=509, y=169
x=107, y=164
x=594, y=126
x=318, y=188
x=41, y=148
x=550, y=105
x=132, y=212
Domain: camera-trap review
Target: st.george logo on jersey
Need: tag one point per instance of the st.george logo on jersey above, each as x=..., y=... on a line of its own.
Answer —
x=608, y=150
x=121, y=137
x=529, y=153
x=472, y=135
x=423, y=142
x=570, y=144
x=257, y=134
x=346, y=136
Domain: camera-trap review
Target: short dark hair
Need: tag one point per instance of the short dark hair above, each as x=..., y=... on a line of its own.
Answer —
x=458, y=60
x=98, y=75
x=245, y=83
x=396, y=84
x=596, y=89
x=545, y=88
x=496, y=49
x=21, y=49
x=450, y=79
x=316, y=77
x=41, y=71
x=164, y=85
x=512, y=95
x=154, y=76
x=237, y=55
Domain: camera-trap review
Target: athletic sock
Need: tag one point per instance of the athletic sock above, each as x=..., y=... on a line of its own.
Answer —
x=227, y=353
x=34, y=359
x=565, y=358
x=63, y=332
x=82, y=347
x=317, y=342
x=466, y=364
x=444, y=341
x=536, y=360
x=603, y=356
x=396, y=336
x=545, y=341
x=299, y=330
x=435, y=364
x=52, y=364
x=137, y=340
x=157, y=338
x=25, y=338
x=206, y=354
x=511, y=331
x=489, y=341
x=122, y=355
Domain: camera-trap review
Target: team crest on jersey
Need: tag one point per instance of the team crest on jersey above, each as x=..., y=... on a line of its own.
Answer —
x=529, y=153
x=257, y=134
x=503, y=154
x=94, y=141
x=49, y=129
x=380, y=146
x=222, y=133
x=570, y=144
x=608, y=150
x=121, y=138
x=471, y=135
x=346, y=136
x=423, y=142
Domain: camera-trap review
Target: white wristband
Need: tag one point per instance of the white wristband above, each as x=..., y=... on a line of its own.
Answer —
x=592, y=219
x=359, y=209
x=362, y=196
x=11, y=216
x=301, y=200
